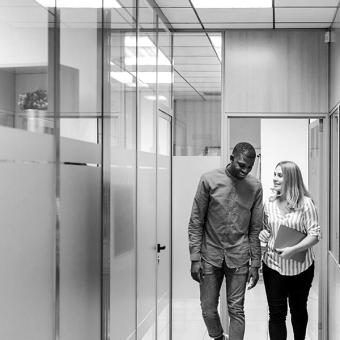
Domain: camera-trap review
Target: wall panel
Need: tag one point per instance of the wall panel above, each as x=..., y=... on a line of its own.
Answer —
x=275, y=71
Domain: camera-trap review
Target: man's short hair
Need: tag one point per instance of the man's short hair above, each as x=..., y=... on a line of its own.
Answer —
x=245, y=149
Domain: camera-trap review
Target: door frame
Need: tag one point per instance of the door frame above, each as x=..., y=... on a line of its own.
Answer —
x=324, y=221
x=166, y=113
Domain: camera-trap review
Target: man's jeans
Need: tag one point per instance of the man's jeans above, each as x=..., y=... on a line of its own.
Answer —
x=236, y=280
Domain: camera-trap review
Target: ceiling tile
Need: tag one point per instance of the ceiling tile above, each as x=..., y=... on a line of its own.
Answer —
x=197, y=60
x=302, y=25
x=229, y=15
x=207, y=68
x=304, y=14
x=191, y=40
x=239, y=25
x=173, y=3
x=180, y=15
x=190, y=51
x=306, y=3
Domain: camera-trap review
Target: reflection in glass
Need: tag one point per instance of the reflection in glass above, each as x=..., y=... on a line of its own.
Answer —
x=120, y=167
x=197, y=94
x=334, y=185
x=24, y=67
x=164, y=66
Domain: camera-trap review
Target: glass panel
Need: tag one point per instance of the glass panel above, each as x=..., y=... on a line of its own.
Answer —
x=197, y=94
x=315, y=171
x=80, y=173
x=164, y=66
x=146, y=190
x=27, y=174
x=24, y=66
x=163, y=227
x=164, y=136
x=334, y=192
x=80, y=72
x=147, y=82
x=120, y=167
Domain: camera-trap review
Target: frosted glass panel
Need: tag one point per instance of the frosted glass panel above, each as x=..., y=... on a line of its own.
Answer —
x=164, y=239
x=28, y=213
x=80, y=152
x=80, y=242
x=146, y=238
x=123, y=249
x=22, y=145
x=333, y=299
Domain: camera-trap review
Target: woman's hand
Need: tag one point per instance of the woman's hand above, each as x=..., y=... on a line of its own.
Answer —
x=264, y=235
x=286, y=253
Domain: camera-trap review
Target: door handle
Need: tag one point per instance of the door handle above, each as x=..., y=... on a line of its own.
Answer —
x=159, y=247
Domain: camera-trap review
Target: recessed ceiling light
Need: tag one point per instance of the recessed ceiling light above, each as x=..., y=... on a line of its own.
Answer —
x=232, y=3
x=79, y=3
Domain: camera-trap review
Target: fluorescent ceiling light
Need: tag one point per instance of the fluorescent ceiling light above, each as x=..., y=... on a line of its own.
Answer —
x=127, y=78
x=232, y=3
x=154, y=98
x=79, y=3
x=150, y=77
x=147, y=52
x=123, y=77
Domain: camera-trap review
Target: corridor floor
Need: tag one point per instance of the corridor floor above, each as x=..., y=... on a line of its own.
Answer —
x=188, y=323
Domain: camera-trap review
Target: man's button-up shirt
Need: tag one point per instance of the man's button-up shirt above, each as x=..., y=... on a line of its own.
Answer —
x=226, y=220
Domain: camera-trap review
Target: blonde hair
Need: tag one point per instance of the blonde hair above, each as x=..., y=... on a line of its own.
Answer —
x=293, y=189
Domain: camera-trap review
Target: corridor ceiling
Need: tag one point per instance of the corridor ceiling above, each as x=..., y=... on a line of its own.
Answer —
x=197, y=65
x=197, y=47
x=285, y=14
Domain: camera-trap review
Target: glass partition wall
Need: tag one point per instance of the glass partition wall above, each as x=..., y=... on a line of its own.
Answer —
x=27, y=172
x=85, y=164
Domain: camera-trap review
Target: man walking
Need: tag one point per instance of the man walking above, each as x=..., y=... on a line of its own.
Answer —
x=225, y=222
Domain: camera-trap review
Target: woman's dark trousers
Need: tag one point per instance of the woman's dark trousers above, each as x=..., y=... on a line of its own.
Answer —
x=295, y=290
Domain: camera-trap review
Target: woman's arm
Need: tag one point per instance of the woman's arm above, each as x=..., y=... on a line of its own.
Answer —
x=308, y=242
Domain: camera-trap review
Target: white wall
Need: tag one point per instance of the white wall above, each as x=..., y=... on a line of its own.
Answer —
x=186, y=174
x=283, y=139
x=197, y=125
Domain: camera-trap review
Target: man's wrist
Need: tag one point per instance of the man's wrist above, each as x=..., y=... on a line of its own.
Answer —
x=195, y=257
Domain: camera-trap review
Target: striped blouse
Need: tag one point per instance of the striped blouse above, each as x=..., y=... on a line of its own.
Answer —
x=304, y=220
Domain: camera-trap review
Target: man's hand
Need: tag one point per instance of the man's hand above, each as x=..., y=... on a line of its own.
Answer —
x=197, y=271
x=253, y=277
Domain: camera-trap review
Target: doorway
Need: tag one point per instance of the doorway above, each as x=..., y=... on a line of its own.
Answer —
x=276, y=138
